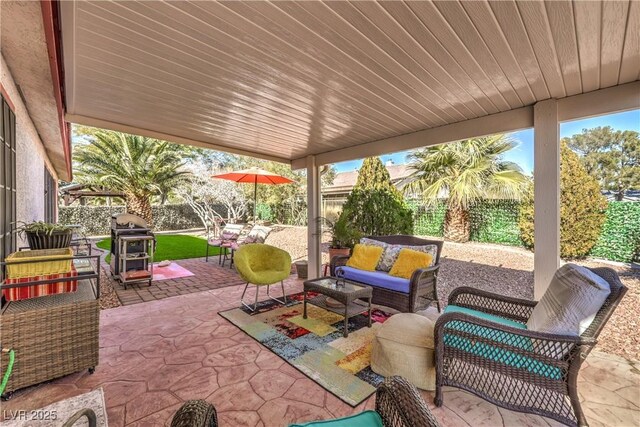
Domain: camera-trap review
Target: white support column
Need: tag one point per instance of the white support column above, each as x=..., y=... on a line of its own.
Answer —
x=314, y=204
x=546, y=194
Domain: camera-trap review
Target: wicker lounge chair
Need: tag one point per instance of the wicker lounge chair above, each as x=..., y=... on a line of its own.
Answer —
x=537, y=378
x=423, y=284
x=398, y=403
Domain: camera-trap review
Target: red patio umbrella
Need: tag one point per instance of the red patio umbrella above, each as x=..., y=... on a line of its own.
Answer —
x=254, y=176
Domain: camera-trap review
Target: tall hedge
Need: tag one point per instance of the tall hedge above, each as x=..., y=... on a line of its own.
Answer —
x=96, y=220
x=495, y=221
x=620, y=236
x=429, y=219
x=582, y=208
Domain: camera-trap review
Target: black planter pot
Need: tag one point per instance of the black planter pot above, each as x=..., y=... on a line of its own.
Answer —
x=56, y=240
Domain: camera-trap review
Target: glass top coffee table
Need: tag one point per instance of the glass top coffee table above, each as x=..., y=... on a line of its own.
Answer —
x=350, y=294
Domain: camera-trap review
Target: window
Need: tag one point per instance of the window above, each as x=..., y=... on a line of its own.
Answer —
x=7, y=180
x=50, y=198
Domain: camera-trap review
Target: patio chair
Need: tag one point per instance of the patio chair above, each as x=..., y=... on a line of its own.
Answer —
x=257, y=234
x=398, y=404
x=228, y=235
x=262, y=265
x=483, y=346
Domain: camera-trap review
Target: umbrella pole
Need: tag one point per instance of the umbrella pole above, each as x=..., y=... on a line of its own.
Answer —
x=255, y=199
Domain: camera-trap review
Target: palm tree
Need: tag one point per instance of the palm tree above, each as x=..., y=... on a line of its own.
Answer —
x=137, y=166
x=464, y=172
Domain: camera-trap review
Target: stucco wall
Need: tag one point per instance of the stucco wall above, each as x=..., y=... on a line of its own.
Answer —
x=31, y=157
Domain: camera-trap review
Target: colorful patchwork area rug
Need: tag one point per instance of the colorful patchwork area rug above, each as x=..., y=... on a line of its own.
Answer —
x=315, y=345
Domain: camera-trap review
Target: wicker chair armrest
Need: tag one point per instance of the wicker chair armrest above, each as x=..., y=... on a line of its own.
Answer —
x=552, y=349
x=195, y=413
x=491, y=303
x=399, y=404
x=338, y=261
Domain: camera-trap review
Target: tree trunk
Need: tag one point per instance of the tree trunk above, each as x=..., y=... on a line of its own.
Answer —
x=456, y=225
x=141, y=206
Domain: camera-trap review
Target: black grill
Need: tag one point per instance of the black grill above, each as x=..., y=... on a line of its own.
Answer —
x=128, y=225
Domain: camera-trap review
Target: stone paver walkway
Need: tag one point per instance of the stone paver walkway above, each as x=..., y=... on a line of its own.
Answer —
x=207, y=276
x=156, y=355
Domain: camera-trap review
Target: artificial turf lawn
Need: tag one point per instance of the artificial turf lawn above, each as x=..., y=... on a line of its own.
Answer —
x=172, y=247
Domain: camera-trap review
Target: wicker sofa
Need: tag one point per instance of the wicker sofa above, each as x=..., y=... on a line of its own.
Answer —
x=539, y=378
x=422, y=287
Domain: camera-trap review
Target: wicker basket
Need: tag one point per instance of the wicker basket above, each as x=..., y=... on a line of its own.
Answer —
x=52, y=336
x=44, y=262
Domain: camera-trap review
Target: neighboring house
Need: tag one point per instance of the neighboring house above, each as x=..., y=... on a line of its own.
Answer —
x=34, y=139
x=344, y=181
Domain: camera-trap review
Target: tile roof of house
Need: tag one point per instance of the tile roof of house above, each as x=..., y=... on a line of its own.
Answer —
x=344, y=181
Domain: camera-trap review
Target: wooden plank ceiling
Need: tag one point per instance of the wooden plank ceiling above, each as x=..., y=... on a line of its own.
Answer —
x=288, y=79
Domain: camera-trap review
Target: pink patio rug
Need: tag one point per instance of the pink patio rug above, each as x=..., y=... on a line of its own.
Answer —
x=173, y=271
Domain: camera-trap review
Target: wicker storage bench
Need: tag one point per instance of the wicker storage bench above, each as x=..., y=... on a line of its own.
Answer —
x=52, y=336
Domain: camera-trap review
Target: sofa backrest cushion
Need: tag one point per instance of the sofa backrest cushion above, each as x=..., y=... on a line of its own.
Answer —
x=365, y=257
x=409, y=261
x=574, y=297
x=391, y=253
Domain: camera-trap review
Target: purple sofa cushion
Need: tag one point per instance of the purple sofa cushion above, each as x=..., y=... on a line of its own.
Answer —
x=378, y=279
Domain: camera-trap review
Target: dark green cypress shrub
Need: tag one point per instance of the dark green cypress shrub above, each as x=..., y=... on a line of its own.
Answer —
x=582, y=208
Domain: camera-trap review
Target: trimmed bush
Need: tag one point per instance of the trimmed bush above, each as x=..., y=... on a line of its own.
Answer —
x=375, y=206
x=582, y=208
x=620, y=237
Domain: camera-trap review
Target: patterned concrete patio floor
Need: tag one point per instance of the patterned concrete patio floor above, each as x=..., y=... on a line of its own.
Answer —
x=158, y=354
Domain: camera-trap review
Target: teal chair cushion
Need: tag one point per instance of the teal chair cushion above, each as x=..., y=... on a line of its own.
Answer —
x=492, y=352
x=363, y=419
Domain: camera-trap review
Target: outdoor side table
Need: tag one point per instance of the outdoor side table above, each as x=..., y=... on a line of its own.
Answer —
x=344, y=291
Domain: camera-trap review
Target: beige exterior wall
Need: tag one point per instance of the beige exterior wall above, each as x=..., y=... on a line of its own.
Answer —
x=31, y=157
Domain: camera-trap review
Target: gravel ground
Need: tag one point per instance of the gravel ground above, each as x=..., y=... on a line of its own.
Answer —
x=108, y=296
x=508, y=271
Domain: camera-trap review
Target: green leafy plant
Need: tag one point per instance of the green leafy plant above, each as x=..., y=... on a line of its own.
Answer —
x=582, y=208
x=342, y=235
x=42, y=228
x=375, y=206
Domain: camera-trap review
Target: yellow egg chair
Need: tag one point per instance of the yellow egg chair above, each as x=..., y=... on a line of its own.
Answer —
x=262, y=265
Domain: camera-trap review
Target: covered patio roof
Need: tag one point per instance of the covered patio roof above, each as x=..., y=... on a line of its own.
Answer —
x=342, y=80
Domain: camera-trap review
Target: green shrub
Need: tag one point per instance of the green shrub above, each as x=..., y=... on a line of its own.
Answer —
x=620, y=237
x=375, y=206
x=582, y=208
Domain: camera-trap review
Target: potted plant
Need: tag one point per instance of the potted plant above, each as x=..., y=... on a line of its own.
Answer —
x=343, y=237
x=44, y=235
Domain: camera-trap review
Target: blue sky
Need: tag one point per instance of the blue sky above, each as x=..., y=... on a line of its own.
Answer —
x=523, y=153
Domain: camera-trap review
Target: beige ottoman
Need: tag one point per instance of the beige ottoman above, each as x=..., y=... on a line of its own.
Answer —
x=404, y=346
